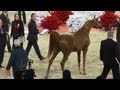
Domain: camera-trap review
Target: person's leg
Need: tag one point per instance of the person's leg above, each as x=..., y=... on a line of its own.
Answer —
x=29, y=47
x=21, y=45
x=1, y=60
x=24, y=17
x=8, y=44
x=2, y=48
x=105, y=72
x=13, y=46
x=115, y=71
x=118, y=40
x=19, y=13
x=37, y=50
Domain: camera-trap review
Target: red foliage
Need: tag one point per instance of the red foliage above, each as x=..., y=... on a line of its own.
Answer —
x=62, y=16
x=56, y=19
x=108, y=18
x=50, y=23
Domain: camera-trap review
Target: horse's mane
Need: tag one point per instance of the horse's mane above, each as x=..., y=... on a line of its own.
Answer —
x=85, y=25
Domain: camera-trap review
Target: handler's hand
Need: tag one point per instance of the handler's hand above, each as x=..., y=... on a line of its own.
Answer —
x=7, y=72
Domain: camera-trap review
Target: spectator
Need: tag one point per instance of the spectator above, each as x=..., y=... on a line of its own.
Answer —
x=17, y=28
x=3, y=41
x=66, y=74
x=23, y=15
x=18, y=60
x=6, y=23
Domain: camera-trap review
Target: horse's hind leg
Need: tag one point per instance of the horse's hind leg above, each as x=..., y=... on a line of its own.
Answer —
x=84, y=60
x=79, y=60
x=65, y=57
x=54, y=54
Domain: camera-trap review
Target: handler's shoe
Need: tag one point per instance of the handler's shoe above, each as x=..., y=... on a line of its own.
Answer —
x=1, y=66
x=42, y=58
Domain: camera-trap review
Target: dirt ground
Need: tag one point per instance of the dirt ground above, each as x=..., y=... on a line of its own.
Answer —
x=93, y=64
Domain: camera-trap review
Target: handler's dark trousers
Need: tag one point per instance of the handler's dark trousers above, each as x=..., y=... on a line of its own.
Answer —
x=115, y=71
x=36, y=47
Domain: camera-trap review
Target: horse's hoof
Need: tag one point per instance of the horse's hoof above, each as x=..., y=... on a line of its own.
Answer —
x=46, y=77
x=80, y=72
x=84, y=73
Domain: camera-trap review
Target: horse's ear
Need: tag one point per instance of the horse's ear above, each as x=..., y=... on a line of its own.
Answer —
x=94, y=17
x=87, y=19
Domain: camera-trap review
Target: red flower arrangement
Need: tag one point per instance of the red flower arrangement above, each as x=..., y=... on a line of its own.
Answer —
x=50, y=23
x=108, y=18
x=56, y=19
x=62, y=16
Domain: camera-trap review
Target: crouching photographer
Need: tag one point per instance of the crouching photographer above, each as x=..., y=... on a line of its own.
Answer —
x=18, y=61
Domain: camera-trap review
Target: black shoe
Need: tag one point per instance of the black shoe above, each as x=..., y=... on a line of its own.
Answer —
x=9, y=51
x=5, y=51
x=42, y=58
x=1, y=66
x=99, y=77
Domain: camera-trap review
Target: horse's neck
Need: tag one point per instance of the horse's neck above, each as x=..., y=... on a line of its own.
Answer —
x=86, y=28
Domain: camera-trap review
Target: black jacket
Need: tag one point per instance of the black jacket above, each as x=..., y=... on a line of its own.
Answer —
x=17, y=32
x=33, y=31
x=118, y=31
x=3, y=38
x=6, y=21
x=18, y=60
x=109, y=51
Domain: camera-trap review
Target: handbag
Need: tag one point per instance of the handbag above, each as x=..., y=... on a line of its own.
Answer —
x=22, y=39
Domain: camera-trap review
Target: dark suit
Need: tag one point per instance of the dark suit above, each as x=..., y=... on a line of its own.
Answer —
x=3, y=41
x=32, y=38
x=17, y=32
x=118, y=35
x=108, y=53
x=24, y=16
x=6, y=23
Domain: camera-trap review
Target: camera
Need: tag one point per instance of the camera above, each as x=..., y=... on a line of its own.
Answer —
x=28, y=73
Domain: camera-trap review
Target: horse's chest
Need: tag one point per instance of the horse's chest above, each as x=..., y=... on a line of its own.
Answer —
x=80, y=44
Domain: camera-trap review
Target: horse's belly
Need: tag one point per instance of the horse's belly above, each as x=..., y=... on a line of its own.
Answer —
x=78, y=46
x=76, y=49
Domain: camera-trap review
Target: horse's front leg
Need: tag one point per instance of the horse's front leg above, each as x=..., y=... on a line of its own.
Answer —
x=84, y=60
x=79, y=60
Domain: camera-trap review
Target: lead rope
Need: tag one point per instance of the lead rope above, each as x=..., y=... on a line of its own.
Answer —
x=118, y=63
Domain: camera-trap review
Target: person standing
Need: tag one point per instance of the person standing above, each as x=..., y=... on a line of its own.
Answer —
x=17, y=29
x=110, y=57
x=6, y=24
x=32, y=37
x=118, y=33
x=3, y=41
x=23, y=15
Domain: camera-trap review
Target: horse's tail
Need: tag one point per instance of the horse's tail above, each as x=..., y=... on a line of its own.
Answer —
x=52, y=42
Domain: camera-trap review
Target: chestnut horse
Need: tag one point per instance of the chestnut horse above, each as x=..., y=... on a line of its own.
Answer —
x=77, y=42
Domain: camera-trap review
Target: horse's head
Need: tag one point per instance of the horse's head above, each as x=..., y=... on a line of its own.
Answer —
x=96, y=23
